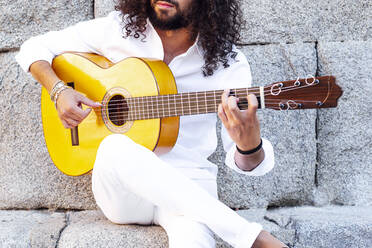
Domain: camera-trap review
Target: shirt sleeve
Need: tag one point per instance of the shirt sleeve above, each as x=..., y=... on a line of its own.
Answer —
x=87, y=36
x=238, y=75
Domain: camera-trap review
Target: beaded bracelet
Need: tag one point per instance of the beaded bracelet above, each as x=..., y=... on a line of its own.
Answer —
x=249, y=151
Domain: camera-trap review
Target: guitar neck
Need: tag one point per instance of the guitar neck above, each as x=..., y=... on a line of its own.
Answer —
x=321, y=92
x=191, y=103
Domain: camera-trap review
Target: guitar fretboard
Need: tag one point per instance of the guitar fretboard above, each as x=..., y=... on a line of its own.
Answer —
x=191, y=103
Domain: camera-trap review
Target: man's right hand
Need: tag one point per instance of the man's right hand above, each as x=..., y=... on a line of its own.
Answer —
x=266, y=240
x=69, y=107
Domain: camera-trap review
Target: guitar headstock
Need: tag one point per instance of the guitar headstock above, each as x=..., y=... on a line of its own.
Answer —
x=319, y=92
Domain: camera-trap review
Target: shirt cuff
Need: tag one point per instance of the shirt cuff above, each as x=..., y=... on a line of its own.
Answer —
x=248, y=236
x=264, y=167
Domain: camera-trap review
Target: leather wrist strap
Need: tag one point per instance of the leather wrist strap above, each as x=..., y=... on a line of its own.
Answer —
x=249, y=151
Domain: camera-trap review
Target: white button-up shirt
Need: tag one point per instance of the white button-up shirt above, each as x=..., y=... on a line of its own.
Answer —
x=197, y=138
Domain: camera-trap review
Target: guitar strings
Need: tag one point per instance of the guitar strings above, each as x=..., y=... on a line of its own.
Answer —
x=141, y=110
x=160, y=114
x=256, y=91
x=138, y=111
x=164, y=97
x=210, y=102
x=119, y=118
x=134, y=112
x=192, y=99
x=239, y=90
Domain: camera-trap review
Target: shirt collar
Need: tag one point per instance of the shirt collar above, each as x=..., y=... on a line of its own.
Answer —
x=196, y=47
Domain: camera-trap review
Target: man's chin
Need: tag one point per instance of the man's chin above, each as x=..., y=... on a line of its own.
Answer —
x=167, y=20
x=164, y=15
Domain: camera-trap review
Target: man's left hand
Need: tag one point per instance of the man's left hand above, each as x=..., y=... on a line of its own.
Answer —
x=242, y=125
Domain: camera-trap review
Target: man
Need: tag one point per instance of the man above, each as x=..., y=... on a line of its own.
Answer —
x=177, y=190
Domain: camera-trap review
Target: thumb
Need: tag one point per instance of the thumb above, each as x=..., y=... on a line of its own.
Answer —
x=89, y=102
x=86, y=112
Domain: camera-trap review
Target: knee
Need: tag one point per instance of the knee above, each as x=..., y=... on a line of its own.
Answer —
x=112, y=150
x=114, y=143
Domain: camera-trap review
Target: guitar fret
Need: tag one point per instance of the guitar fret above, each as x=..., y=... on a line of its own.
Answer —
x=188, y=94
x=206, y=103
x=203, y=103
x=152, y=107
x=215, y=100
x=135, y=108
x=175, y=105
x=169, y=107
x=145, y=107
x=157, y=108
x=162, y=104
x=142, y=113
x=148, y=98
x=182, y=105
x=138, y=108
x=142, y=109
x=197, y=102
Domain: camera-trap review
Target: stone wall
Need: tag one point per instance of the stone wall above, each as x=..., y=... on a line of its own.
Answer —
x=323, y=157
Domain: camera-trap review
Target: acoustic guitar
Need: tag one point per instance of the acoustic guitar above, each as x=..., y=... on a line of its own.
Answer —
x=139, y=99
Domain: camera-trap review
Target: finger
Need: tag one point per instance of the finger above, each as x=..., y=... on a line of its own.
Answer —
x=252, y=104
x=78, y=113
x=86, y=112
x=222, y=114
x=224, y=97
x=233, y=108
x=71, y=112
x=72, y=122
x=225, y=103
x=66, y=125
x=89, y=102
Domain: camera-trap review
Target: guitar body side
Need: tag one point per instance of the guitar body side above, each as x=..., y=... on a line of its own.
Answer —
x=94, y=76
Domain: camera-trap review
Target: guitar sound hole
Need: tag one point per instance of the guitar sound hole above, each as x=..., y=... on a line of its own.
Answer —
x=118, y=110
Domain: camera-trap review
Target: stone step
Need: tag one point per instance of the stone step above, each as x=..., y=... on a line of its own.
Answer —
x=299, y=227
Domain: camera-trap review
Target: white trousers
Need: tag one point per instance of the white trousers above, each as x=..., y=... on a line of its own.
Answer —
x=132, y=185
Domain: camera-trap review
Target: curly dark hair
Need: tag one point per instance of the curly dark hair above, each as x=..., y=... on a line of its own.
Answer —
x=218, y=23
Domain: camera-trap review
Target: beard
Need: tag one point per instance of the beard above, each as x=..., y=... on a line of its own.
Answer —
x=179, y=20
